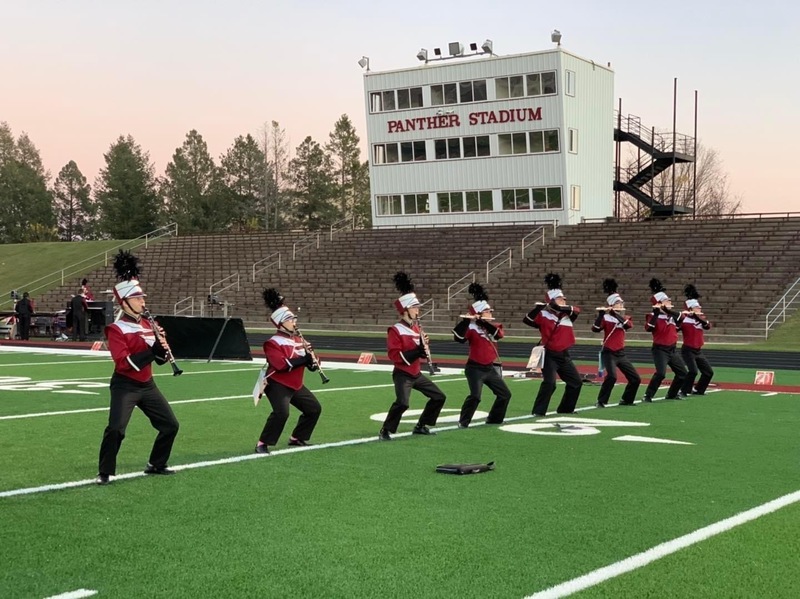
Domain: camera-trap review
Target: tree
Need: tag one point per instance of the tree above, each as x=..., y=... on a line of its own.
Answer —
x=72, y=203
x=193, y=188
x=346, y=157
x=276, y=150
x=310, y=174
x=713, y=195
x=126, y=193
x=242, y=170
x=362, y=205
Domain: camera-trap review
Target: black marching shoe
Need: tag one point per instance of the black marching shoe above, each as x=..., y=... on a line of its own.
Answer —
x=384, y=435
x=422, y=429
x=493, y=421
x=627, y=403
x=102, y=479
x=696, y=392
x=647, y=399
x=463, y=425
x=298, y=443
x=163, y=470
x=599, y=405
x=262, y=449
x=676, y=397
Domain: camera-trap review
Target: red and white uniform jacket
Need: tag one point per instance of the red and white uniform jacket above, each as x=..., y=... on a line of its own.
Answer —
x=556, y=327
x=663, y=327
x=692, y=328
x=286, y=357
x=482, y=339
x=403, y=347
x=133, y=348
x=613, y=331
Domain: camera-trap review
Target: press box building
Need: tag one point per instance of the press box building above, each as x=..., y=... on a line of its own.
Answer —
x=491, y=140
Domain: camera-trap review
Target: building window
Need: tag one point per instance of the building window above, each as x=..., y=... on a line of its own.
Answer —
x=409, y=98
x=516, y=199
x=411, y=151
x=575, y=197
x=509, y=87
x=472, y=91
x=476, y=146
x=385, y=154
x=569, y=83
x=448, y=148
x=450, y=202
x=443, y=94
x=544, y=141
x=479, y=201
x=546, y=198
x=389, y=205
x=573, y=141
x=512, y=143
x=541, y=84
x=416, y=203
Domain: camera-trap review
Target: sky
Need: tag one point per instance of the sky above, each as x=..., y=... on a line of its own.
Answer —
x=76, y=75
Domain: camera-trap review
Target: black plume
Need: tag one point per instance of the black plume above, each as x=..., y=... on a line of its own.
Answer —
x=126, y=265
x=610, y=286
x=272, y=298
x=403, y=283
x=691, y=292
x=477, y=292
x=84, y=281
x=552, y=280
x=656, y=286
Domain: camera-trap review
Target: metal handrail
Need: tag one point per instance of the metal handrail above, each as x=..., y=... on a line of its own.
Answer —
x=300, y=243
x=266, y=266
x=432, y=311
x=235, y=282
x=499, y=264
x=540, y=237
x=59, y=277
x=781, y=305
x=189, y=308
x=347, y=223
x=460, y=289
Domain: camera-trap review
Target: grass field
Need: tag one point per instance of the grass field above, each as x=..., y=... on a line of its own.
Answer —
x=352, y=517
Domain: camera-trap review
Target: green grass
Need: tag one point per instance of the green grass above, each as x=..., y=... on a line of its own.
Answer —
x=373, y=519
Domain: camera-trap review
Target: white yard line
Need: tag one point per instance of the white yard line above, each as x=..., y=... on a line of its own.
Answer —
x=664, y=549
x=79, y=594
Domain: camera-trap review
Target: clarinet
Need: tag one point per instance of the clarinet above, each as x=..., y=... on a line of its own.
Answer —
x=175, y=370
x=427, y=348
x=313, y=355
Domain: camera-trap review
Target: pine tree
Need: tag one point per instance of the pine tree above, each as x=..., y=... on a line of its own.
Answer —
x=310, y=174
x=346, y=158
x=72, y=203
x=242, y=168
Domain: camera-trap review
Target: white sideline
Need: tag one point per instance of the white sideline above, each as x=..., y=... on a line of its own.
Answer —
x=664, y=549
x=79, y=594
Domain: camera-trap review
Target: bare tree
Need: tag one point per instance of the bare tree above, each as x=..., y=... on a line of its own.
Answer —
x=275, y=146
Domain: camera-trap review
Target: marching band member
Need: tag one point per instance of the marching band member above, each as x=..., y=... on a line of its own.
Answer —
x=406, y=346
x=613, y=325
x=483, y=364
x=692, y=325
x=287, y=360
x=554, y=320
x=134, y=346
x=662, y=323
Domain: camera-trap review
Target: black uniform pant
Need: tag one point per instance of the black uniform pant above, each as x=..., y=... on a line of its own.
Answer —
x=127, y=394
x=280, y=398
x=79, y=326
x=24, y=325
x=491, y=376
x=611, y=361
x=558, y=362
x=403, y=384
x=663, y=356
x=696, y=361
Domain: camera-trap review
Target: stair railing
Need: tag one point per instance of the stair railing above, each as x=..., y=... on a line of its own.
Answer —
x=780, y=308
x=259, y=265
x=504, y=256
x=461, y=286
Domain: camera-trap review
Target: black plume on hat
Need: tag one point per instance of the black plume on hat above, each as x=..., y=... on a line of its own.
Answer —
x=477, y=292
x=272, y=298
x=552, y=280
x=126, y=265
x=610, y=286
x=691, y=292
x=656, y=286
x=403, y=283
x=84, y=281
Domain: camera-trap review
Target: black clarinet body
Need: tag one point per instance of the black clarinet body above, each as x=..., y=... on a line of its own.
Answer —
x=313, y=355
x=427, y=348
x=175, y=370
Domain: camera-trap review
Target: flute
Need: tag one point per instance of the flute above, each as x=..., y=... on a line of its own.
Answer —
x=427, y=348
x=175, y=370
x=474, y=317
x=313, y=355
x=608, y=309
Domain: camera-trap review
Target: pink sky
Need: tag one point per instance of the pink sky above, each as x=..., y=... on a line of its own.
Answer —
x=76, y=75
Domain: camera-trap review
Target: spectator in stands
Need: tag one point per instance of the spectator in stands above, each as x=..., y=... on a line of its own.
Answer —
x=406, y=345
x=134, y=346
x=24, y=310
x=287, y=360
x=613, y=324
x=483, y=364
x=87, y=291
x=79, y=309
x=692, y=326
x=662, y=323
x=555, y=322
